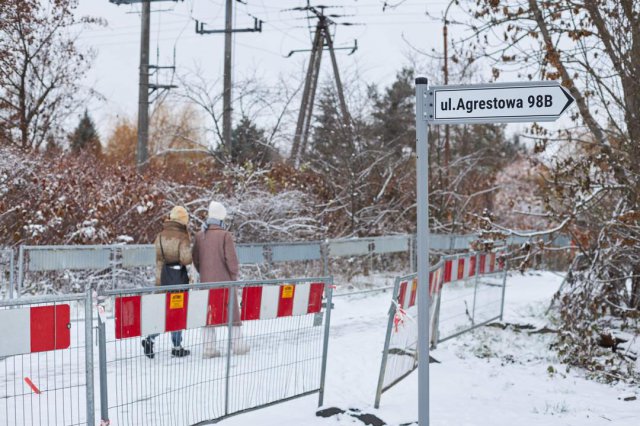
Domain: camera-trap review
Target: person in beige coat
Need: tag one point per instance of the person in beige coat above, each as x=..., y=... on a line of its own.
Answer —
x=215, y=258
x=173, y=255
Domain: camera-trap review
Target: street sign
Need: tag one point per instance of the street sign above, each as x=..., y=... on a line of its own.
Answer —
x=482, y=103
x=497, y=103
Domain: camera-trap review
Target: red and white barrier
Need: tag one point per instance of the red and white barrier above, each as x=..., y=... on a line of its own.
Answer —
x=137, y=316
x=456, y=269
x=462, y=268
x=408, y=292
x=35, y=329
x=268, y=302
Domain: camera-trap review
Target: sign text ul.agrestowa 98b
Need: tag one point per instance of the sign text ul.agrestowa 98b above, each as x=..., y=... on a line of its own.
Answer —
x=504, y=102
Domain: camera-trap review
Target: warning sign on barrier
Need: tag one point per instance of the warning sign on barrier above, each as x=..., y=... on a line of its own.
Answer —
x=287, y=292
x=177, y=301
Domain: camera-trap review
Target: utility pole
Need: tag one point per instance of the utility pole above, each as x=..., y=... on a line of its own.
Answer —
x=142, y=152
x=445, y=38
x=321, y=40
x=227, y=108
x=226, y=96
x=144, y=88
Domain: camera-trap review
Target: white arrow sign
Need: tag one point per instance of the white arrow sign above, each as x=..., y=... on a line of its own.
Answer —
x=496, y=103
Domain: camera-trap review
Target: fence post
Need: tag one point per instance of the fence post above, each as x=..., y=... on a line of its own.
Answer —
x=387, y=341
x=88, y=342
x=102, y=360
x=412, y=253
x=11, y=274
x=324, y=249
x=475, y=289
x=20, y=270
x=436, y=322
x=504, y=287
x=325, y=342
x=230, y=309
x=113, y=266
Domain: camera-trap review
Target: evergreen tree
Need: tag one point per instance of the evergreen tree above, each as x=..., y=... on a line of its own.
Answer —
x=393, y=113
x=85, y=136
x=250, y=143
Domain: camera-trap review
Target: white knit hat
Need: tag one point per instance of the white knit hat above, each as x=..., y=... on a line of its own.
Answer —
x=217, y=211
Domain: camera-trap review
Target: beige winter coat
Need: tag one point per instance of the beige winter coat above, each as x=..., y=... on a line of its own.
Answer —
x=176, y=245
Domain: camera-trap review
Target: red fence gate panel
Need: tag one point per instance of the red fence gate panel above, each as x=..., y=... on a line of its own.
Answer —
x=127, y=317
x=177, y=308
x=483, y=264
x=251, y=300
x=461, y=269
x=315, y=298
x=448, y=266
x=50, y=328
x=402, y=294
x=472, y=266
x=218, y=306
x=285, y=304
x=414, y=292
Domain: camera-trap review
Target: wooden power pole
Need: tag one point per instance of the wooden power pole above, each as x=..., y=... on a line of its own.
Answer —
x=227, y=108
x=144, y=88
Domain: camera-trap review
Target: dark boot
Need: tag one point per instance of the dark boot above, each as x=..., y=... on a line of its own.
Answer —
x=180, y=352
x=147, y=345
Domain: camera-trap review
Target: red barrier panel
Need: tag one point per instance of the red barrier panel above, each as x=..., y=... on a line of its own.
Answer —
x=177, y=304
x=127, y=317
x=218, y=306
x=315, y=298
x=285, y=304
x=50, y=328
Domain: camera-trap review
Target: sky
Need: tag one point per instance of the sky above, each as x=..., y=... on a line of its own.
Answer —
x=386, y=40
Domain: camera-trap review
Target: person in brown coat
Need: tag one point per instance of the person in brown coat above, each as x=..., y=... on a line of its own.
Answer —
x=215, y=258
x=173, y=255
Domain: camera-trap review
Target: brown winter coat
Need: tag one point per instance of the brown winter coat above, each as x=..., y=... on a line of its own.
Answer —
x=176, y=245
x=215, y=258
x=214, y=255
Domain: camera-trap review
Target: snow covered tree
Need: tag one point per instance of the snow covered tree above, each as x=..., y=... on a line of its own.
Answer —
x=593, y=48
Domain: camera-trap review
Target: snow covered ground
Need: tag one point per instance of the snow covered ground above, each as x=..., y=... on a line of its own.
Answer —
x=489, y=377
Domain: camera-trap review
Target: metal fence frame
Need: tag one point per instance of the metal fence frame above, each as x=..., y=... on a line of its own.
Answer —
x=390, y=323
x=475, y=325
x=143, y=255
x=326, y=320
x=434, y=321
x=88, y=386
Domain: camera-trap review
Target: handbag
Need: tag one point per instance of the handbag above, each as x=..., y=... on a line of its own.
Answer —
x=172, y=273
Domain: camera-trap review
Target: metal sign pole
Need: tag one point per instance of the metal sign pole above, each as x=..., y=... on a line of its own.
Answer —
x=422, y=185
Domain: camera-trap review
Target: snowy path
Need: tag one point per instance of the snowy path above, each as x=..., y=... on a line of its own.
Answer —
x=491, y=377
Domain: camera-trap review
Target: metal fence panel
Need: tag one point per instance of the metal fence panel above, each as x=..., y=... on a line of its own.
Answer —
x=47, y=359
x=263, y=350
x=400, y=354
x=469, y=303
x=339, y=248
x=60, y=258
x=467, y=292
x=391, y=244
x=248, y=253
x=461, y=242
x=295, y=252
x=138, y=255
